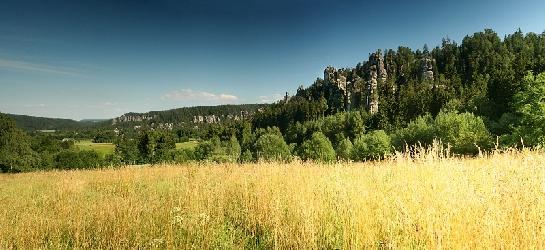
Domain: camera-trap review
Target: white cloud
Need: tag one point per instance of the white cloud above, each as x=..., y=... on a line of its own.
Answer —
x=33, y=67
x=41, y=105
x=199, y=96
x=109, y=104
x=270, y=98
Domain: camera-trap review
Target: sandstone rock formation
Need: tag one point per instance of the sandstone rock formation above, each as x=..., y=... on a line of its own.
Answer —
x=358, y=85
x=131, y=117
x=427, y=69
x=377, y=74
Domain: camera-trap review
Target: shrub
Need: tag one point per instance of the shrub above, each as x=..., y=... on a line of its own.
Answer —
x=354, y=124
x=462, y=131
x=232, y=149
x=344, y=149
x=112, y=160
x=218, y=151
x=84, y=159
x=420, y=131
x=334, y=126
x=272, y=147
x=204, y=150
x=183, y=155
x=246, y=156
x=374, y=145
x=318, y=148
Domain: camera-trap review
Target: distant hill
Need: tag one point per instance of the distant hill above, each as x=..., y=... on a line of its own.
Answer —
x=32, y=123
x=188, y=116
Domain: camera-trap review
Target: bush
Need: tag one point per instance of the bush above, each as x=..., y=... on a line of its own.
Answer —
x=203, y=150
x=183, y=155
x=334, y=126
x=374, y=145
x=344, y=149
x=218, y=151
x=318, y=148
x=462, y=131
x=354, y=124
x=85, y=159
x=246, y=157
x=421, y=131
x=112, y=160
x=232, y=149
x=272, y=147
x=104, y=136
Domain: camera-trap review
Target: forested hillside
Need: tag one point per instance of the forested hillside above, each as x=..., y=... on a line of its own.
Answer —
x=188, y=116
x=173, y=118
x=480, y=75
x=32, y=123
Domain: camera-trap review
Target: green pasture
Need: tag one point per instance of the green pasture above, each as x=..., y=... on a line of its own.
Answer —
x=187, y=145
x=108, y=148
x=101, y=148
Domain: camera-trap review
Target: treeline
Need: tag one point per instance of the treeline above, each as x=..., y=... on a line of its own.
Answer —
x=347, y=136
x=343, y=136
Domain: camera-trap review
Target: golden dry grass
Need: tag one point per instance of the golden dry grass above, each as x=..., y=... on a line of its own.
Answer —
x=495, y=201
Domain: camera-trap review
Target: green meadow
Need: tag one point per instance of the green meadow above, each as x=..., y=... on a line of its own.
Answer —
x=101, y=148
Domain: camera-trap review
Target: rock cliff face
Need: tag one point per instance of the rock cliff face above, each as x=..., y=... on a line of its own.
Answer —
x=427, y=69
x=130, y=117
x=358, y=85
x=187, y=116
x=210, y=119
x=377, y=74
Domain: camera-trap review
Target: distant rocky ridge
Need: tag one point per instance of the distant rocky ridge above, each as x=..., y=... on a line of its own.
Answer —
x=188, y=116
x=359, y=86
x=132, y=117
x=244, y=115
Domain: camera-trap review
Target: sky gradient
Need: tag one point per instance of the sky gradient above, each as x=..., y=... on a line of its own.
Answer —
x=100, y=59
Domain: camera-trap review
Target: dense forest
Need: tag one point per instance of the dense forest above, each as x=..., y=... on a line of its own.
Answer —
x=481, y=75
x=486, y=92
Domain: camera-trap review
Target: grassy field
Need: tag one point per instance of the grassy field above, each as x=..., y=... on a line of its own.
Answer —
x=490, y=202
x=108, y=148
x=101, y=148
x=187, y=145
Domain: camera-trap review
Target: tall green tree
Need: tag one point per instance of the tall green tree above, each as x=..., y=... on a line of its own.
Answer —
x=272, y=147
x=16, y=154
x=530, y=109
x=318, y=148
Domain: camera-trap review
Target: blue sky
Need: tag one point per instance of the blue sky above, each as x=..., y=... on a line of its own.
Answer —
x=100, y=59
